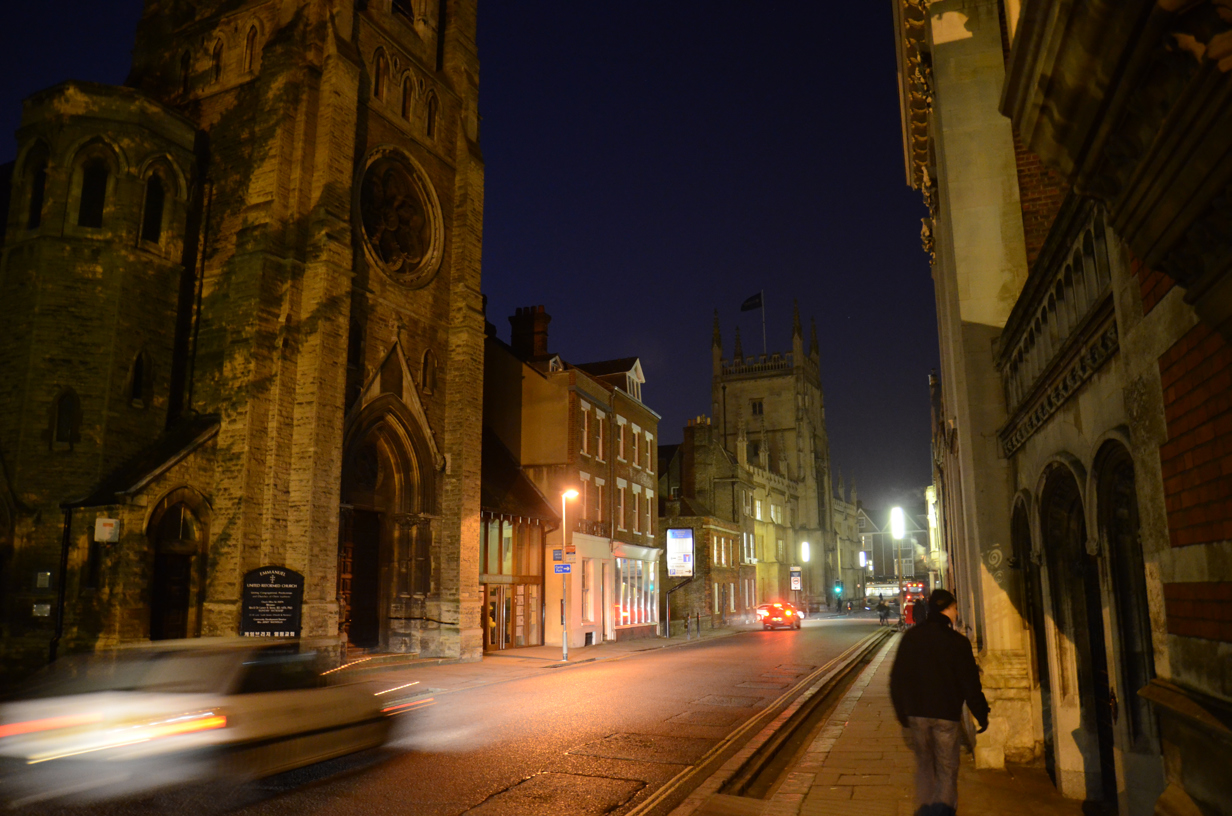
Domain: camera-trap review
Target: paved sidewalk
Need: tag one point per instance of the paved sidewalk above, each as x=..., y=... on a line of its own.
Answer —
x=859, y=764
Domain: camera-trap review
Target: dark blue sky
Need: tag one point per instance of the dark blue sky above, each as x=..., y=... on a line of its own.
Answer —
x=649, y=162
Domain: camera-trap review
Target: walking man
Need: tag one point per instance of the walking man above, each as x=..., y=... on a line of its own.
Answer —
x=933, y=675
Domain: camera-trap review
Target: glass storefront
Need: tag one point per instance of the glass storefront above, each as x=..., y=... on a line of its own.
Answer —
x=511, y=568
x=637, y=592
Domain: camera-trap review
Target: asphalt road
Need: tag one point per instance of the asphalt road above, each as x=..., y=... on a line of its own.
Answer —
x=506, y=739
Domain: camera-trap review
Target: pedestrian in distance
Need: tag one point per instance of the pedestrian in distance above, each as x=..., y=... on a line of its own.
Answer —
x=883, y=612
x=919, y=611
x=933, y=675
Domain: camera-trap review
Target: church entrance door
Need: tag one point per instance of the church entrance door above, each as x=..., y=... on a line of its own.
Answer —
x=365, y=546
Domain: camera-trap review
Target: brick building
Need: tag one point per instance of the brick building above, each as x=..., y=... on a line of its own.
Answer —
x=1075, y=159
x=583, y=427
x=243, y=330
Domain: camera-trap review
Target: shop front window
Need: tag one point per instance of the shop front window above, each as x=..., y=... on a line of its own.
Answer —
x=510, y=548
x=638, y=594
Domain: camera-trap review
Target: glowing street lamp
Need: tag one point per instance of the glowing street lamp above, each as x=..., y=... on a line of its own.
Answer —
x=564, y=577
x=898, y=530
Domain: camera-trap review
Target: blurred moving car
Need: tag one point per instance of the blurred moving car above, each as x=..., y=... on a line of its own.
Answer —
x=775, y=615
x=137, y=720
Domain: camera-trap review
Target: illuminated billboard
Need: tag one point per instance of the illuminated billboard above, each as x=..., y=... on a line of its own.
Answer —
x=680, y=553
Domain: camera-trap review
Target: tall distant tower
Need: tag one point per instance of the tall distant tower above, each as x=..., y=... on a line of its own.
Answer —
x=273, y=237
x=778, y=403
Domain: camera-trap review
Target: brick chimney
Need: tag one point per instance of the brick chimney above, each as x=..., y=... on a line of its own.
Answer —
x=530, y=331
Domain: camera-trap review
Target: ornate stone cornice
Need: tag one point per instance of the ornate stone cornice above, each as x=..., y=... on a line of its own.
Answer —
x=1056, y=391
x=916, y=86
x=1131, y=100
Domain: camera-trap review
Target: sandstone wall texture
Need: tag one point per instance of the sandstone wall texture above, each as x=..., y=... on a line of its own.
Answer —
x=323, y=209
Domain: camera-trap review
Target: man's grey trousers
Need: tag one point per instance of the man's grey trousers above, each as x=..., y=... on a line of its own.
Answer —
x=937, y=744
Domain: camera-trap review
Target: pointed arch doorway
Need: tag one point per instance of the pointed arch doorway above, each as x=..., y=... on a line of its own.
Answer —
x=177, y=532
x=384, y=547
x=1077, y=607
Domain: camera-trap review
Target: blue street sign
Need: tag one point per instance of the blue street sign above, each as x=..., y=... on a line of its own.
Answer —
x=561, y=569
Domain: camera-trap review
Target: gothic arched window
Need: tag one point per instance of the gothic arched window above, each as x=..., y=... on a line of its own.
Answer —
x=380, y=76
x=431, y=120
x=428, y=380
x=250, y=50
x=216, y=62
x=406, y=99
x=155, y=203
x=94, y=176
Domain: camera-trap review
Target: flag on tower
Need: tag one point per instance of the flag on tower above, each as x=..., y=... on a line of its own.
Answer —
x=751, y=303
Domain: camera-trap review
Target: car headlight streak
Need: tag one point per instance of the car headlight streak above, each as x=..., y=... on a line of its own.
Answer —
x=134, y=733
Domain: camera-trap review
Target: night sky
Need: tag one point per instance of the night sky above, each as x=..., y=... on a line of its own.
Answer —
x=649, y=162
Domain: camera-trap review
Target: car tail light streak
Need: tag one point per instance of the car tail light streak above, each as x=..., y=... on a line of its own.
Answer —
x=399, y=708
x=85, y=741
x=47, y=724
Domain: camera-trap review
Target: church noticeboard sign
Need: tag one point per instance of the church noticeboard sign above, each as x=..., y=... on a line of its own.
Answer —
x=273, y=599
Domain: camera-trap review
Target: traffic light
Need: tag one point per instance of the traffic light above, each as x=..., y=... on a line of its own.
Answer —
x=838, y=587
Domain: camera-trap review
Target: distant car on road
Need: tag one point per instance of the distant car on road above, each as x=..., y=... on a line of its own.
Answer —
x=136, y=720
x=779, y=614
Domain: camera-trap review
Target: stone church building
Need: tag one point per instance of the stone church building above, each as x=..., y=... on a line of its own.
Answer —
x=243, y=330
x=753, y=484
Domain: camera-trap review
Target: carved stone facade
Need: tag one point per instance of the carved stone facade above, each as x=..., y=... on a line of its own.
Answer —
x=1090, y=546
x=263, y=257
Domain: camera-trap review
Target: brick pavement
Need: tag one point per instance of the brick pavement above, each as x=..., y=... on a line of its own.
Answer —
x=859, y=764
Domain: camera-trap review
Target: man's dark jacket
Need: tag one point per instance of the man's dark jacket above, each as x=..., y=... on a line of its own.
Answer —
x=935, y=673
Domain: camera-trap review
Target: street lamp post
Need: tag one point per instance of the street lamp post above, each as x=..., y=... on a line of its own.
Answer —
x=898, y=529
x=564, y=576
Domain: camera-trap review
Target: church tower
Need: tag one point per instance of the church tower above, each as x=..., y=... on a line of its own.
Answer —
x=770, y=414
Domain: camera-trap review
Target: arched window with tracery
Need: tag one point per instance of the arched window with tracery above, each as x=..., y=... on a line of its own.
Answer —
x=94, y=177
x=407, y=95
x=152, y=214
x=250, y=50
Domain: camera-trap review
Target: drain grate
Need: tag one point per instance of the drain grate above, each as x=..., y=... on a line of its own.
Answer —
x=647, y=748
x=551, y=794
